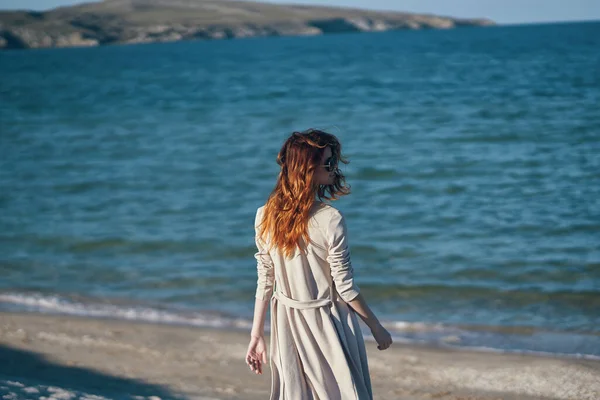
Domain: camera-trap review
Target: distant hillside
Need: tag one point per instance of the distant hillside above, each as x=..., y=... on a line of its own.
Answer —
x=145, y=21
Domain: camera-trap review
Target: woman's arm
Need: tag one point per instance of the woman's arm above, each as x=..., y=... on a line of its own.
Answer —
x=359, y=305
x=343, y=277
x=260, y=313
x=381, y=335
x=256, y=355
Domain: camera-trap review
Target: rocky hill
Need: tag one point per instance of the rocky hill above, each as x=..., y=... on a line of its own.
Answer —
x=145, y=21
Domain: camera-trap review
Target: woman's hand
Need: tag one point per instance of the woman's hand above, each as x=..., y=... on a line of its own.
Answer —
x=257, y=354
x=382, y=337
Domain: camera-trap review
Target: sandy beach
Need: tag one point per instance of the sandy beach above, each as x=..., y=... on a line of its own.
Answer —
x=60, y=357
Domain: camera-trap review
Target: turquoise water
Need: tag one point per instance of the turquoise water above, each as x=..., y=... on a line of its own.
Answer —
x=130, y=176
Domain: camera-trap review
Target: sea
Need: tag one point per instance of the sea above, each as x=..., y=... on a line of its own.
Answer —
x=130, y=176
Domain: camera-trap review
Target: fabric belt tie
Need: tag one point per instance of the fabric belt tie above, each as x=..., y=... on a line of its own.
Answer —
x=302, y=305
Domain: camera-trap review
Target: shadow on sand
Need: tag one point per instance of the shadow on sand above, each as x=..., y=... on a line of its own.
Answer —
x=22, y=372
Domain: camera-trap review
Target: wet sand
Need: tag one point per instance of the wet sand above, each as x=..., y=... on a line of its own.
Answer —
x=64, y=357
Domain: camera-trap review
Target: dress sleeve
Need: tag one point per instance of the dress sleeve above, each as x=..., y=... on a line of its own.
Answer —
x=264, y=264
x=338, y=258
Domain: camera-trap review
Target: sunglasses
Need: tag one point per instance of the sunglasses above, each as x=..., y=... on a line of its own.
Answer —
x=330, y=164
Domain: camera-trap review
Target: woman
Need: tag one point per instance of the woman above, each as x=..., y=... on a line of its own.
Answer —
x=304, y=271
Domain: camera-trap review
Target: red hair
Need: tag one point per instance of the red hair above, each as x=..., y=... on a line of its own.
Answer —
x=286, y=213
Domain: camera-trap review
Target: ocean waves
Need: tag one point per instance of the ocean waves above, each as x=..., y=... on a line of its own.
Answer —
x=474, y=337
x=473, y=171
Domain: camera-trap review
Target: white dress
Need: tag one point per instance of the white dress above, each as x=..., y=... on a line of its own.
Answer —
x=317, y=347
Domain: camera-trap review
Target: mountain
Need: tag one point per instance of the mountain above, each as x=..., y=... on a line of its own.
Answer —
x=145, y=21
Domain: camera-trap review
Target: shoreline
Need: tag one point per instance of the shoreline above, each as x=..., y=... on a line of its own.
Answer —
x=101, y=356
x=99, y=24
x=518, y=340
x=509, y=339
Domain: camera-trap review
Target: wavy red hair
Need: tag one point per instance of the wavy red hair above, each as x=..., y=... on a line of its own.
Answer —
x=286, y=213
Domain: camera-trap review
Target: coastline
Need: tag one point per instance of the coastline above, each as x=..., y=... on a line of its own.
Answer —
x=84, y=356
x=99, y=24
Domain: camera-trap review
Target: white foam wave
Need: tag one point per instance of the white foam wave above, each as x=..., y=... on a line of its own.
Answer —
x=60, y=305
x=484, y=349
x=405, y=326
x=402, y=331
